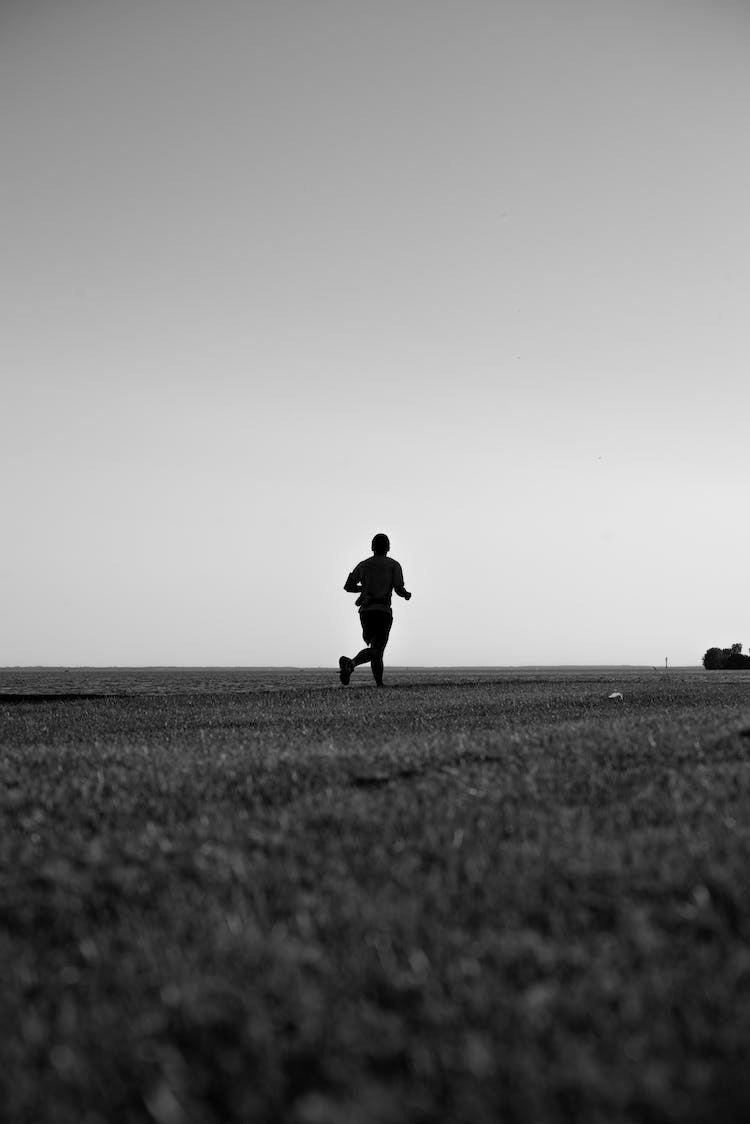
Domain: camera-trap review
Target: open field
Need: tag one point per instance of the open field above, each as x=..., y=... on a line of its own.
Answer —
x=480, y=896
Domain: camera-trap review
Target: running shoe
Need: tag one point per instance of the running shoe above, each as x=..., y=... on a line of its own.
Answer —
x=346, y=667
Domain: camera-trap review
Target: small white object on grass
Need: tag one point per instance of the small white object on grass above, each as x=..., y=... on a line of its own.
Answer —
x=615, y=695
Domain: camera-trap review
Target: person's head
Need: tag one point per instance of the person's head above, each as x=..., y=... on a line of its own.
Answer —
x=381, y=544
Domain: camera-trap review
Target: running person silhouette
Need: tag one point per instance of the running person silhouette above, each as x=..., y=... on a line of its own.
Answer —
x=374, y=579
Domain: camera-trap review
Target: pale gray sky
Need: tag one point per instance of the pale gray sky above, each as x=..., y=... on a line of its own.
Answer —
x=279, y=275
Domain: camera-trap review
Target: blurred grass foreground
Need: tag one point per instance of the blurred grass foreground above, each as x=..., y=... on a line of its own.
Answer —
x=476, y=897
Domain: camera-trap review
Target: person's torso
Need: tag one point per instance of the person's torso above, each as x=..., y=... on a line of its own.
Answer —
x=378, y=575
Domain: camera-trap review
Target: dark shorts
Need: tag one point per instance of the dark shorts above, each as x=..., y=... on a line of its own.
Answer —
x=376, y=626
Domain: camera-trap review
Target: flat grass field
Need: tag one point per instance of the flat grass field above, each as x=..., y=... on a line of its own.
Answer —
x=479, y=896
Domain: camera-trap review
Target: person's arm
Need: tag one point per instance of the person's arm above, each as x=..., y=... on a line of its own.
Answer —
x=398, y=584
x=353, y=583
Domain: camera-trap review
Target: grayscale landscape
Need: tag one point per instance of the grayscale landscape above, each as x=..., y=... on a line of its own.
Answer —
x=235, y=895
x=281, y=281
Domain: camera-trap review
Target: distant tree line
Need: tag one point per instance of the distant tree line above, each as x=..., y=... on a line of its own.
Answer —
x=723, y=659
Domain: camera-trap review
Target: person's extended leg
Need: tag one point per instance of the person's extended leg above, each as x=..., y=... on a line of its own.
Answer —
x=376, y=627
x=376, y=662
x=378, y=639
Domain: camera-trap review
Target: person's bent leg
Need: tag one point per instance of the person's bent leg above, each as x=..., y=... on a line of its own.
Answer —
x=362, y=657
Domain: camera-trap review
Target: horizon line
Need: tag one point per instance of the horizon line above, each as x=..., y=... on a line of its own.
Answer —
x=327, y=667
